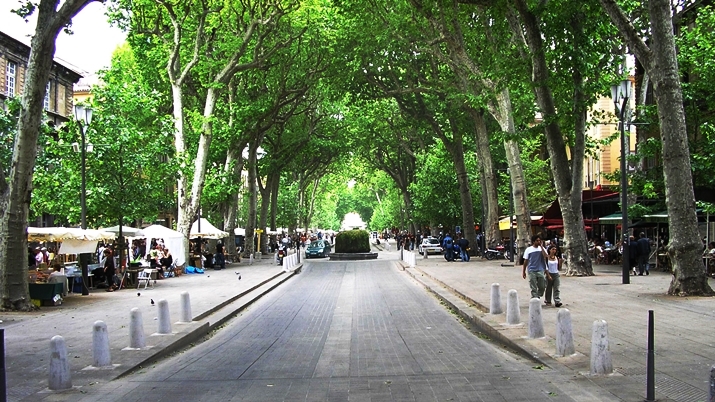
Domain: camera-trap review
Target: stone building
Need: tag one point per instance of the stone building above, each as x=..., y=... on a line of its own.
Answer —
x=14, y=56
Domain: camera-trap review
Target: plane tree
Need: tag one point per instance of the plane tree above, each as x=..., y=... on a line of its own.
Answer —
x=658, y=57
x=16, y=184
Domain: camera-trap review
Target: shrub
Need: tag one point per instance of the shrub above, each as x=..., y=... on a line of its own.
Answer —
x=352, y=241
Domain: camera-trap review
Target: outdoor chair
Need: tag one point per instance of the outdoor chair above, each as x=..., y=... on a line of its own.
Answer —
x=145, y=277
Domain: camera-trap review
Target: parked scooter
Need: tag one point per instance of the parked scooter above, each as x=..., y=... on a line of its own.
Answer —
x=497, y=252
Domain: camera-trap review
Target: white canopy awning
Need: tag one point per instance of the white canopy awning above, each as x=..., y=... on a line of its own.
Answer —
x=173, y=240
x=208, y=231
x=126, y=231
x=60, y=234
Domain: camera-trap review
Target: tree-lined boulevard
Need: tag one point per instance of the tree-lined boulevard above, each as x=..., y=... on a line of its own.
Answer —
x=257, y=114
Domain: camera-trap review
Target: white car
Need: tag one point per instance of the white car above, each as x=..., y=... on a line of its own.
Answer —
x=431, y=245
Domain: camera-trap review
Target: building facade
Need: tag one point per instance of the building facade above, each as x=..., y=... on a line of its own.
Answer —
x=14, y=57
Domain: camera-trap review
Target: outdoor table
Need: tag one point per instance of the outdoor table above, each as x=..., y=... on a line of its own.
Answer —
x=45, y=292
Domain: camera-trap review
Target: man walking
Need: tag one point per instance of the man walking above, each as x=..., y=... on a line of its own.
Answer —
x=463, y=244
x=643, y=254
x=535, y=260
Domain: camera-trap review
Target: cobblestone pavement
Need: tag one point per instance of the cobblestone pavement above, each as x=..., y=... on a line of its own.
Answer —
x=345, y=331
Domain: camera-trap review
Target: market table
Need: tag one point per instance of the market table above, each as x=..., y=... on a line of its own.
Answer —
x=45, y=292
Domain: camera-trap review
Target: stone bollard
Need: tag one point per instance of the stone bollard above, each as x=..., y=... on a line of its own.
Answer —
x=513, y=314
x=100, y=345
x=250, y=259
x=60, y=376
x=536, y=322
x=495, y=301
x=425, y=254
x=712, y=384
x=185, y=307
x=564, y=333
x=136, y=329
x=164, y=318
x=600, y=350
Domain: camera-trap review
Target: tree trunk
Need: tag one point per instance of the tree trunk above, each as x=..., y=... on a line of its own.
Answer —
x=660, y=62
x=265, y=193
x=274, y=181
x=456, y=149
x=685, y=246
x=18, y=189
x=567, y=181
x=234, y=163
x=490, y=197
x=249, y=247
x=311, y=203
x=504, y=115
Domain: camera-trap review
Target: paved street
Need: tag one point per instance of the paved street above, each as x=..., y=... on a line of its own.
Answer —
x=357, y=331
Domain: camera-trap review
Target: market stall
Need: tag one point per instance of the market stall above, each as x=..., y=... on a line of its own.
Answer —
x=172, y=239
x=72, y=241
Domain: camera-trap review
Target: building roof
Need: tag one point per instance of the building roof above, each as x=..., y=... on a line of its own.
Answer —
x=73, y=73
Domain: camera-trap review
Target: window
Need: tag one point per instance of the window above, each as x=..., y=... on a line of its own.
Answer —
x=46, y=104
x=10, y=77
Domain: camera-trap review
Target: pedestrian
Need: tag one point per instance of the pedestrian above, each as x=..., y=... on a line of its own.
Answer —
x=633, y=254
x=447, y=244
x=109, y=270
x=643, y=254
x=553, y=280
x=463, y=248
x=535, y=259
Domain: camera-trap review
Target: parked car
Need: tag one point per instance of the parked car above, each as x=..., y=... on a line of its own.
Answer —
x=318, y=248
x=430, y=244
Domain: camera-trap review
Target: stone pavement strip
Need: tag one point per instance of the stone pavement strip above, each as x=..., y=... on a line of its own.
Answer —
x=216, y=296
x=684, y=338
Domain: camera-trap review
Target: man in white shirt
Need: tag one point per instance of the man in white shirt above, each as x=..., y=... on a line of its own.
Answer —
x=535, y=260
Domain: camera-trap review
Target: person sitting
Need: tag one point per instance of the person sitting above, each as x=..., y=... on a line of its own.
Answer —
x=56, y=276
x=154, y=257
x=165, y=263
x=219, y=260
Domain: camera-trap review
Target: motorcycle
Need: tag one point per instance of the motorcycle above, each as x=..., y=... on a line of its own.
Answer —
x=281, y=254
x=497, y=252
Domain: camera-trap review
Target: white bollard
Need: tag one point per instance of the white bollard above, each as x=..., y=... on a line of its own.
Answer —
x=536, y=322
x=600, y=350
x=164, y=318
x=564, y=333
x=60, y=376
x=100, y=345
x=185, y=307
x=136, y=329
x=495, y=300
x=513, y=314
x=250, y=259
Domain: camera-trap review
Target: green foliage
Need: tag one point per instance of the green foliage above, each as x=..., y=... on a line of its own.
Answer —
x=8, y=129
x=352, y=241
x=435, y=192
x=129, y=173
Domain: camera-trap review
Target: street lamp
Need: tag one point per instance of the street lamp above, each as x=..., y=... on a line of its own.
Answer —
x=83, y=115
x=620, y=94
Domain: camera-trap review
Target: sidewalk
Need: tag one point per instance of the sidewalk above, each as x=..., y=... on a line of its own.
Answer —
x=684, y=337
x=216, y=296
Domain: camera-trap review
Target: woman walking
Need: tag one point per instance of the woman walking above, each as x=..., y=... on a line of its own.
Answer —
x=553, y=282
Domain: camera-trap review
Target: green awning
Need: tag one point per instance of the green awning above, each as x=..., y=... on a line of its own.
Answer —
x=611, y=219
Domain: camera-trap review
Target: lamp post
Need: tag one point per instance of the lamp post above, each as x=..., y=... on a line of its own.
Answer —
x=620, y=94
x=83, y=115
